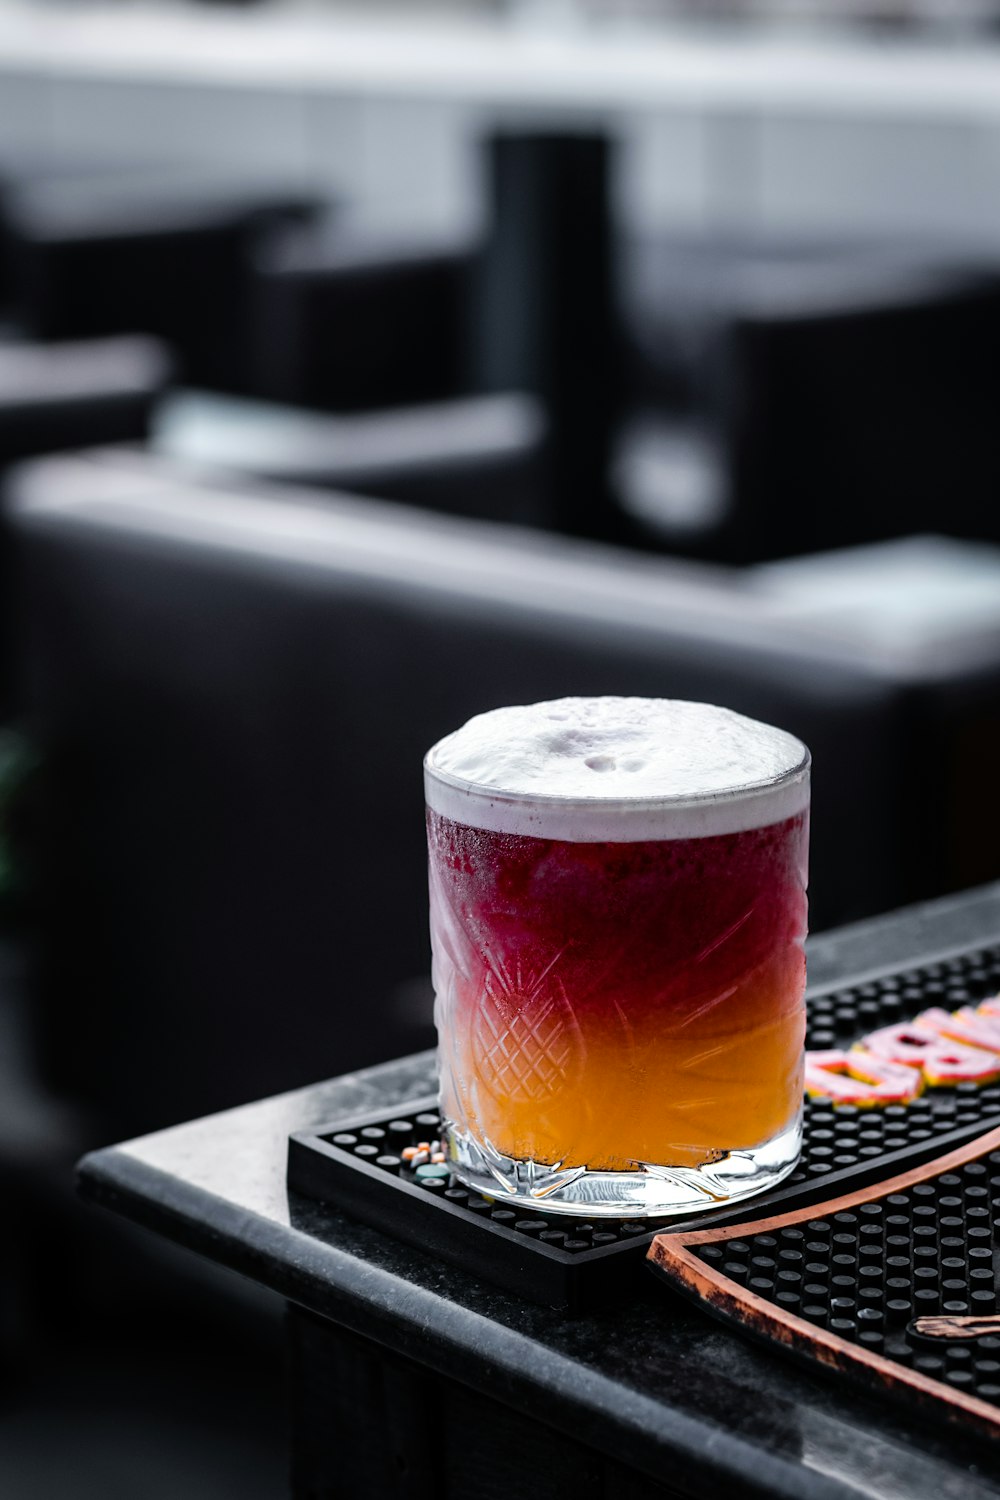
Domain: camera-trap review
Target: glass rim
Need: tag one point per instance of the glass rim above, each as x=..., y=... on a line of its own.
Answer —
x=757, y=804
x=743, y=792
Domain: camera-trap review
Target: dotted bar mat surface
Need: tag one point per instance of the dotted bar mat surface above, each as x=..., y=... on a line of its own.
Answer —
x=555, y=1259
x=896, y=1286
x=561, y=1261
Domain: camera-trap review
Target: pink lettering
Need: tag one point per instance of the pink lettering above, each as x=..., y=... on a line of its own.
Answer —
x=861, y=1078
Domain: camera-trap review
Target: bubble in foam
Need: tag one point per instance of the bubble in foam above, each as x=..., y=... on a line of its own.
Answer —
x=618, y=769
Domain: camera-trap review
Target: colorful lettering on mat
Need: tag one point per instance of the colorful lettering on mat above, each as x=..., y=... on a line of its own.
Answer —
x=894, y=1064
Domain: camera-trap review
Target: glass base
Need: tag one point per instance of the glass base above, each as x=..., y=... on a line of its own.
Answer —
x=650, y=1191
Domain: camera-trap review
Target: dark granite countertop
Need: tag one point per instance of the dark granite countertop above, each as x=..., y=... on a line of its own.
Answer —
x=650, y=1381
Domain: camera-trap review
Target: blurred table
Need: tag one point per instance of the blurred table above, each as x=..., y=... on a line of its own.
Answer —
x=410, y=1379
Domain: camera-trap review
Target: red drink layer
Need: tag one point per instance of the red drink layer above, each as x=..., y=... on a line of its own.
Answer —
x=607, y=1004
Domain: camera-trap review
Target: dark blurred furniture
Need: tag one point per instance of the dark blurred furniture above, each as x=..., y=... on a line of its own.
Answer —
x=61, y=396
x=38, y=1139
x=409, y=1380
x=112, y=1378
x=545, y=317
x=347, y=323
x=812, y=398
x=164, y=253
x=233, y=687
x=480, y=456
x=19, y=168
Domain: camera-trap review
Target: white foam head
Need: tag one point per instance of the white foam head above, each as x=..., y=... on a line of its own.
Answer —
x=617, y=770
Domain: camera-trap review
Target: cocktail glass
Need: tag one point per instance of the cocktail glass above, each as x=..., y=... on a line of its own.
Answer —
x=619, y=983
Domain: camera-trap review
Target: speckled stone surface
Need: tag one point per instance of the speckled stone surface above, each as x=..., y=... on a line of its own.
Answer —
x=650, y=1381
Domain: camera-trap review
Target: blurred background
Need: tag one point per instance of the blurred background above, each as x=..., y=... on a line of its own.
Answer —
x=364, y=369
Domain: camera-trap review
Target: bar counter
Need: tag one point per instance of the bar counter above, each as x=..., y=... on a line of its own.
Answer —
x=412, y=1379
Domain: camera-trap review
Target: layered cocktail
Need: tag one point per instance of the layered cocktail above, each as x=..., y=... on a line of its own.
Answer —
x=617, y=916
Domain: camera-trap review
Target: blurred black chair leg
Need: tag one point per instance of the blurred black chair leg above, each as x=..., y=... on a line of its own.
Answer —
x=546, y=319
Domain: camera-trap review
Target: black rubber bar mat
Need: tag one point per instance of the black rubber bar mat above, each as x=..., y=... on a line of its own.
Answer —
x=357, y=1163
x=895, y=1287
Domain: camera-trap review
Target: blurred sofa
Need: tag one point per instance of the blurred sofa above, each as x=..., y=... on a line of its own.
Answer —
x=232, y=686
x=55, y=397
x=480, y=456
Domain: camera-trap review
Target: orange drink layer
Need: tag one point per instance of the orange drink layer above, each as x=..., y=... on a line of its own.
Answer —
x=607, y=1005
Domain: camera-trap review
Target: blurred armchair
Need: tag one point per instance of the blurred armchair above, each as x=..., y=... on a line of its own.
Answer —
x=347, y=323
x=815, y=400
x=158, y=252
x=61, y=396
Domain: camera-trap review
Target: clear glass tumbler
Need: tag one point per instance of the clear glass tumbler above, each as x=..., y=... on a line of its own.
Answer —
x=618, y=913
